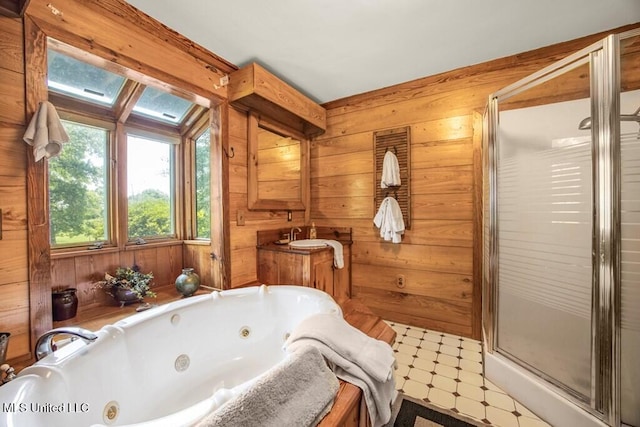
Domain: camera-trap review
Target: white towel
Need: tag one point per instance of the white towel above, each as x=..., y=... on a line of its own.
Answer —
x=354, y=357
x=338, y=252
x=295, y=393
x=390, y=171
x=389, y=220
x=45, y=132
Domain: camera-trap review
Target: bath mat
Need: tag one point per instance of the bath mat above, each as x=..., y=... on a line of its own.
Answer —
x=417, y=413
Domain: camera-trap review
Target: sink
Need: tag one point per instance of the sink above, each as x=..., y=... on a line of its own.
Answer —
x=308, y=244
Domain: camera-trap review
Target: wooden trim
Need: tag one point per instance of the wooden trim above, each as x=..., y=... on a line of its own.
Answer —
x=476, y=308
x=129, y=95
x=120, y=212
x=39, y=252
x=220, y=230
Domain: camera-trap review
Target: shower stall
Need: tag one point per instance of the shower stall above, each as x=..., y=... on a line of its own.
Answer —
x=561, y=273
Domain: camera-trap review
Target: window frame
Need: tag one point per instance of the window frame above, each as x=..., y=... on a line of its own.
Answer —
x=199, y=130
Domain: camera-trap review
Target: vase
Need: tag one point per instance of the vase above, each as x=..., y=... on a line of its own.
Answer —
x=188, y=282
x=125, y=296
x=64, y=304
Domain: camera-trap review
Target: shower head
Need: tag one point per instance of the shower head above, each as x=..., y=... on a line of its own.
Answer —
x=585, y=124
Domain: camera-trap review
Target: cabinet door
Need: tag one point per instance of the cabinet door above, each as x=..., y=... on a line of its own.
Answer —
x=268, y=267
x=322, y=271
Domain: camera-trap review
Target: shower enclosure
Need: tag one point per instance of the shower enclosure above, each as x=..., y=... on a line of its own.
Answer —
x=561, y=277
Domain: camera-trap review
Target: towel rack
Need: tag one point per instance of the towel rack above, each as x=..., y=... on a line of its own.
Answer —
x=398, y=140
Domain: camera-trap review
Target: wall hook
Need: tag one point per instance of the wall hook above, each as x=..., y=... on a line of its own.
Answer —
x=233, y=154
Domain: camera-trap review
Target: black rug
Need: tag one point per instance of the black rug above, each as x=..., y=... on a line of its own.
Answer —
x=415, y=413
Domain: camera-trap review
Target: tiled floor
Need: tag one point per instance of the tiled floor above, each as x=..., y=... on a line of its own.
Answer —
x=446, y=370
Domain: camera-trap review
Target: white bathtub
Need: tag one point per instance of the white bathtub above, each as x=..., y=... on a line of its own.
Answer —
x=168, y=366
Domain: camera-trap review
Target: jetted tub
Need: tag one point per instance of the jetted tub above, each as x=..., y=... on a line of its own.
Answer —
x=168, y=366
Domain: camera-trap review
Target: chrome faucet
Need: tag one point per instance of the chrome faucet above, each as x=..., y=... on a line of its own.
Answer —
x=293, y=234
x=45, y=345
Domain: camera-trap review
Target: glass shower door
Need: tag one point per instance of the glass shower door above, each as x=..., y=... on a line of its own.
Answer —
x=544, y=229
x=630, y=231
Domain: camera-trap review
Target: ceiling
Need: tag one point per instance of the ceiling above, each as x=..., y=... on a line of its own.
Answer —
x=330, y=49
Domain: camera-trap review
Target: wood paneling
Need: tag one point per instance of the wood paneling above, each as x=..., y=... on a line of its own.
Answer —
x=444, y=242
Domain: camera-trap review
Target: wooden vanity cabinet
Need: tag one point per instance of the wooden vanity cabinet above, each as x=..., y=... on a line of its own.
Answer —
x=312, y=268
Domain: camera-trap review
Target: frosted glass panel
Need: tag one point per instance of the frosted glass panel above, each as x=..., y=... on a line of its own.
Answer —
x=544, y=241
x=630, y=247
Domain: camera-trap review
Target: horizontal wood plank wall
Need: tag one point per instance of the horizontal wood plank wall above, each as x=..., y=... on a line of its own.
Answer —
x=243, y=238
x=84, y=271
x=14, y=275
x=436, y=257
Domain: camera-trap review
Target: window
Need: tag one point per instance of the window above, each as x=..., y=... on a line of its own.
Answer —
x=150, y=195
x=203, y=185
x=87, y=187
x=77, y=187
x=80, y=80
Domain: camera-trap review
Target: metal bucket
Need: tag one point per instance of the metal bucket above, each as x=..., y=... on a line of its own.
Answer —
x=4, y=344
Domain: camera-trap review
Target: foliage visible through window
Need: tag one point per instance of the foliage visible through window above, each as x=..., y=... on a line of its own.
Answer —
x=77, y=187
x=203, y=186
x=149, y=188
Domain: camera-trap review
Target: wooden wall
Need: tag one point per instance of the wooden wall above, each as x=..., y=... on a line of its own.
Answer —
x=14, y=285
x=438, y=257
x=243, y=237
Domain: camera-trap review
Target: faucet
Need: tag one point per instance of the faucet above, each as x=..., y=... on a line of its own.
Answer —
x=45, y=345
x=292, y=235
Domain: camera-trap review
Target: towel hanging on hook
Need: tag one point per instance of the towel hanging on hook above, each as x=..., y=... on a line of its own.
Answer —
x=390, y=170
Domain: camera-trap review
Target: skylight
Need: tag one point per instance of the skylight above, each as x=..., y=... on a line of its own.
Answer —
x=162, y=106
x=81, y=80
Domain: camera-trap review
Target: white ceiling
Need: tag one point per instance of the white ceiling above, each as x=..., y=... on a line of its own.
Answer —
x=329, y=49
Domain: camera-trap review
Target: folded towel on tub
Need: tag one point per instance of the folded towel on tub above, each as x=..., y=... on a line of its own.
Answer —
x=354, y=357
x=297, y=392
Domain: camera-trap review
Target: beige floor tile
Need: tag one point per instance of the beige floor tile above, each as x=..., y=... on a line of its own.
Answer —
x=399, y=381
x=449, y=350
x=403, y=358
x=415, y=333
x=470, y=355
x=449, y=340
x=415, y=389
x=470, y=407
x=419, y=375
x=445, y=359
x=430, y=345
x=444, y=383
x=473, y=345
x=446, y=371
x=402, y=370
x=499, y=400
x=414, y=342
x=472, y=378
x=471, y=366
x=442, y=398
x=427, y=354
x=407, y=349
x=473, y=392
x=491, y=386
x=400, y=329
x=425, y=365
x=501, y=418
x=433, y=337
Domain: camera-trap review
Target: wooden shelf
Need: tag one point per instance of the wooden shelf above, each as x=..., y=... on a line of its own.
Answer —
x=108, y=314
x=253, y=87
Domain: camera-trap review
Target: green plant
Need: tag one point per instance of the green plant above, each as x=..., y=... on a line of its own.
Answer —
x=128, y=278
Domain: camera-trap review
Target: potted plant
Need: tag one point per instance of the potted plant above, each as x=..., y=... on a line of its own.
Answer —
x=128, y=285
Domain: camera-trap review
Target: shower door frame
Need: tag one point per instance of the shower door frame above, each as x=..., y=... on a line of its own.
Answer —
x=604, y=59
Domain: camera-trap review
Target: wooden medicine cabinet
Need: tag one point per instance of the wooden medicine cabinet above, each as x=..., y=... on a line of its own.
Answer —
x=278, y=166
